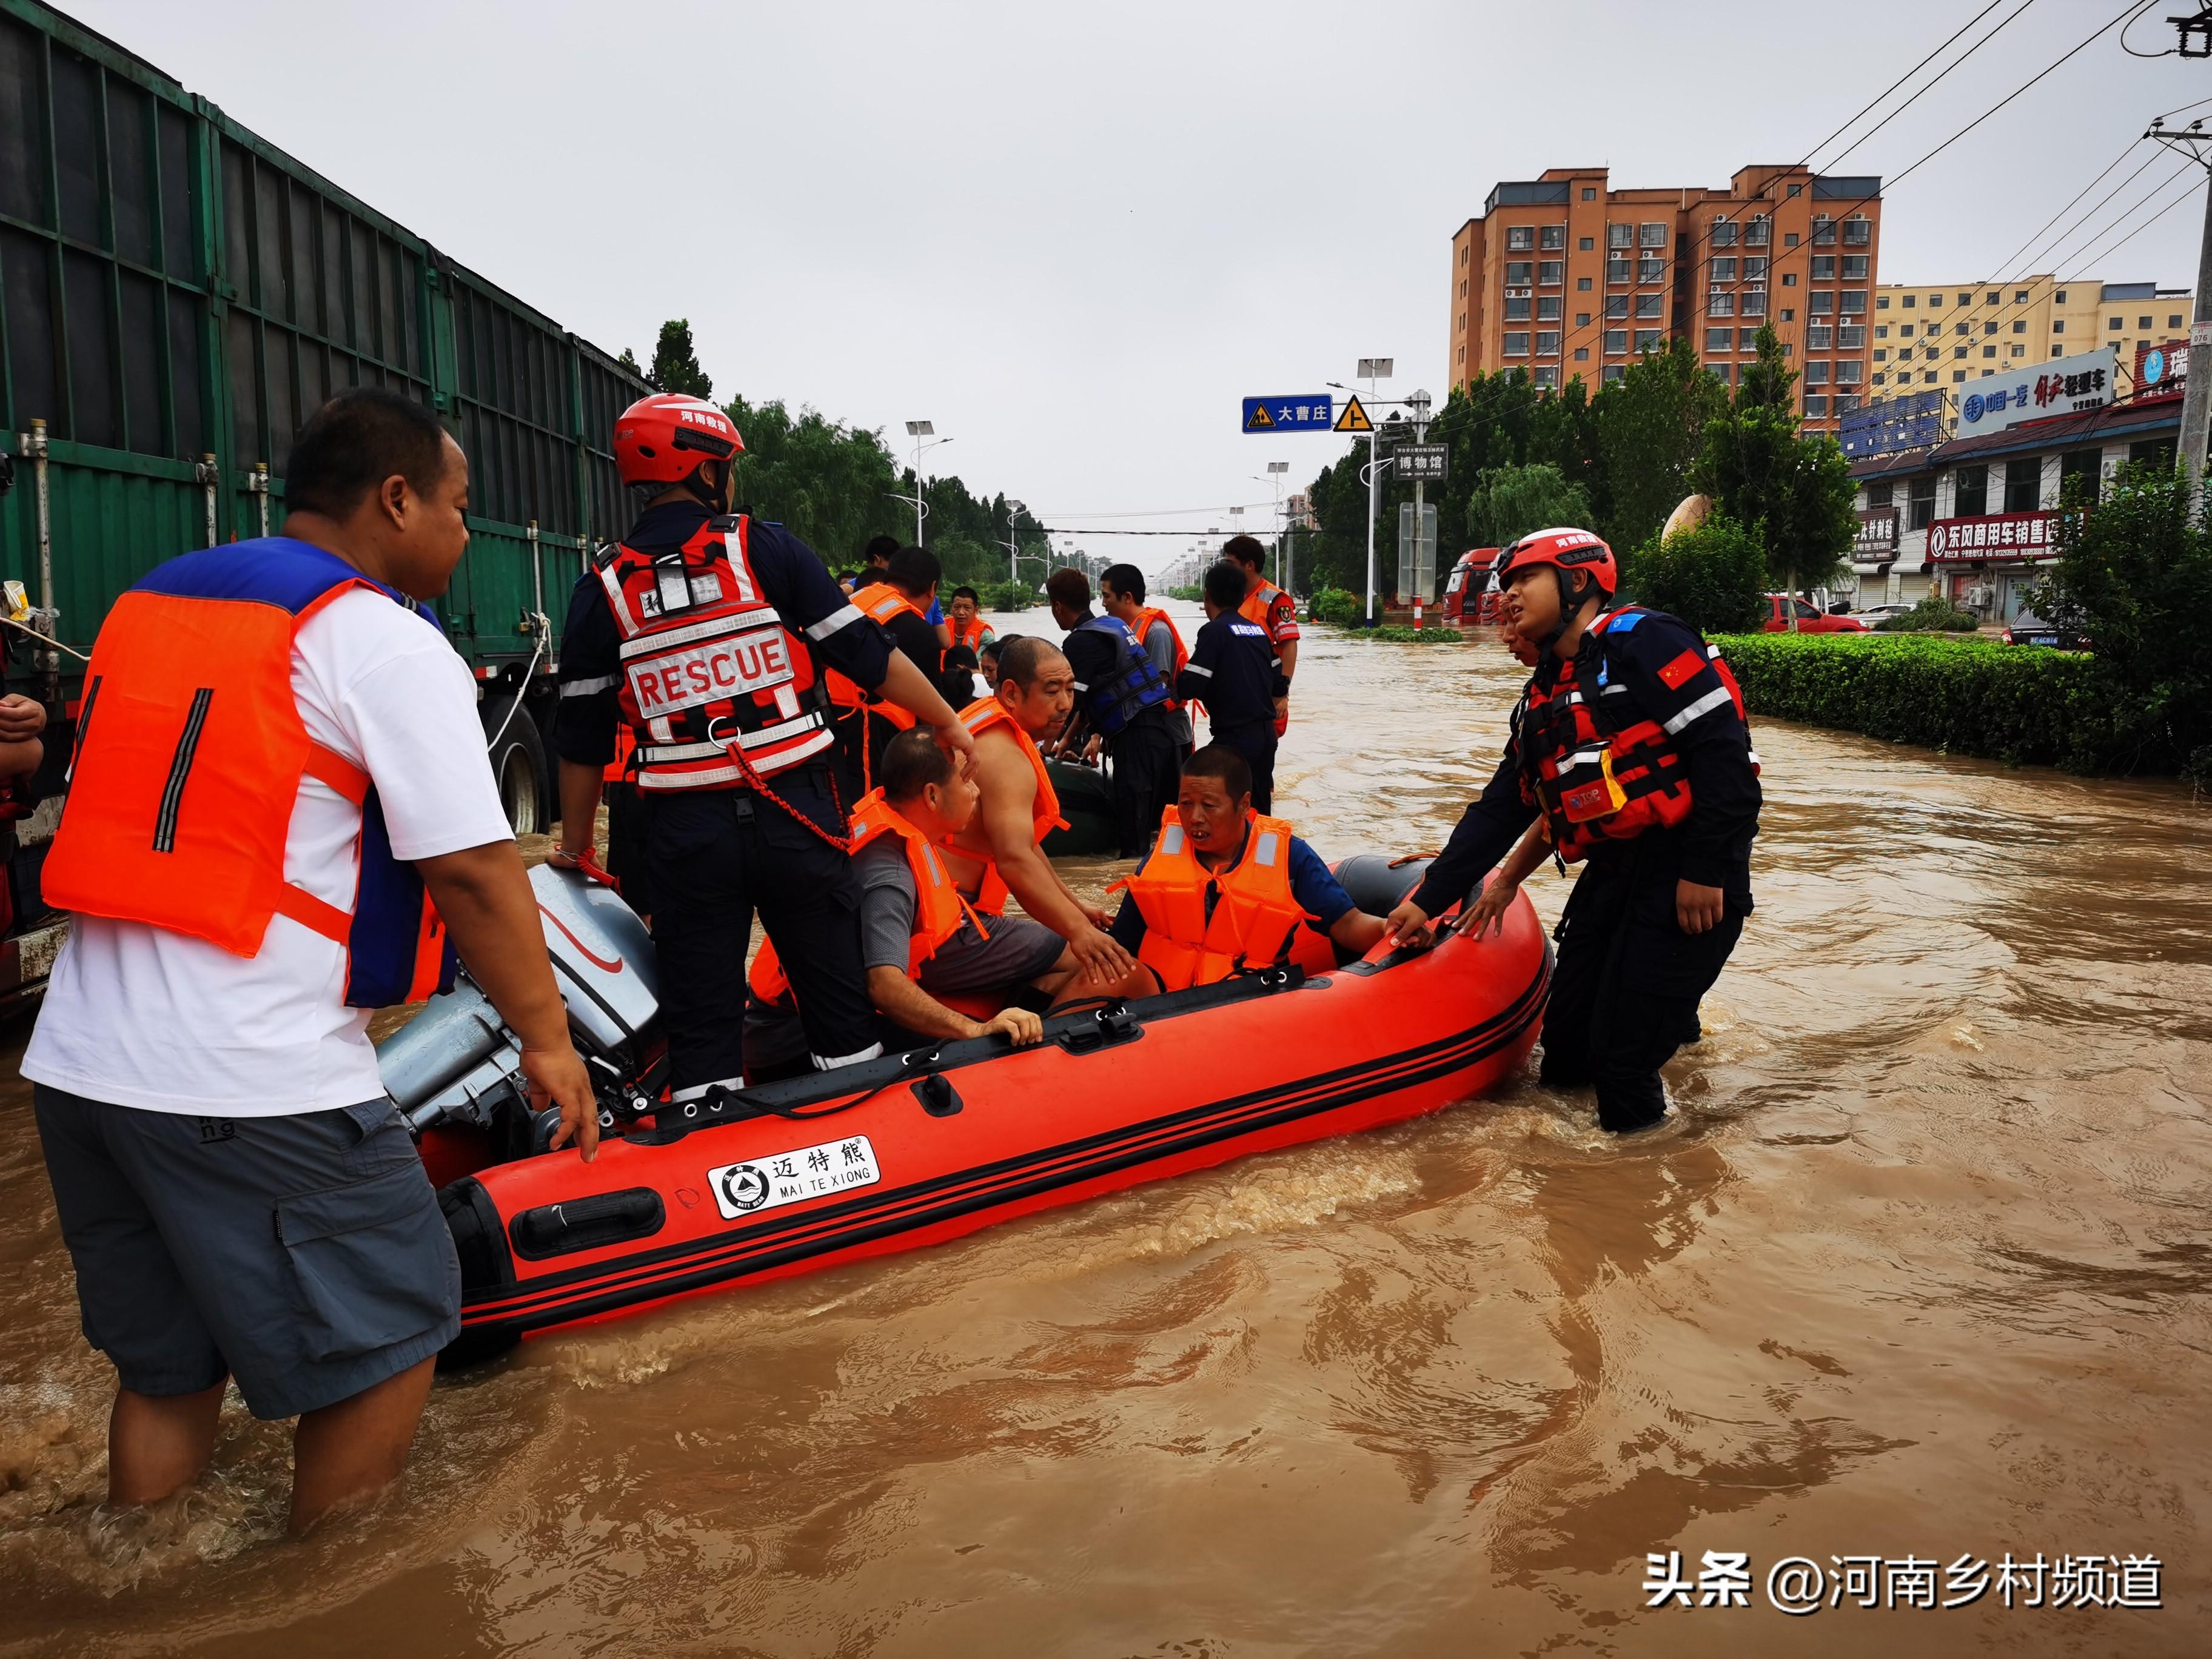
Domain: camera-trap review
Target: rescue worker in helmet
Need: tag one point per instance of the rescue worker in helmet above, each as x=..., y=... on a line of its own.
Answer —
x=1227, y=890
x=1631, y=746
x=708, y=634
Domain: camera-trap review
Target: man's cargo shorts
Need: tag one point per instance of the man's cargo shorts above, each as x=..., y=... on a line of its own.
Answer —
x=303, y=1254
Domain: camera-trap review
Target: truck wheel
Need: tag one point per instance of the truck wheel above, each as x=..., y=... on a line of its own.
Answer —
x=518, y=766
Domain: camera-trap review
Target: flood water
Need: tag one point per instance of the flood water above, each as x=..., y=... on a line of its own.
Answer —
x=1921, y=1268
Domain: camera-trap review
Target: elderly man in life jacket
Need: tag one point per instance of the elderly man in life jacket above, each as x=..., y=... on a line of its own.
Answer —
x=1227, y=890
x=924, y=944
x=1631, y=747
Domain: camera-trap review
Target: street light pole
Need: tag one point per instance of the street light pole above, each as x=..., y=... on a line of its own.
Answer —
x=1419, y=405
x=1014, y=511
x=1372, y=369
x=918, y=430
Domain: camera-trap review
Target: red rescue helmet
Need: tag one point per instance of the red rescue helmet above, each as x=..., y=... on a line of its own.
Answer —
x=663, y=438
x=1566, y=550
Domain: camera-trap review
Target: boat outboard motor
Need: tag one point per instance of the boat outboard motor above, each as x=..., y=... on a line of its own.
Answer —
x=457, y=1062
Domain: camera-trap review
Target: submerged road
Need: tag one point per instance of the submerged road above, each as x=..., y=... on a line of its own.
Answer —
x=1920, y=1269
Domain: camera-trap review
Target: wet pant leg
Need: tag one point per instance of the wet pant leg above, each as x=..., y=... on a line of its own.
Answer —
x=1256, y=742
x=810, y=904
x=1144, y=781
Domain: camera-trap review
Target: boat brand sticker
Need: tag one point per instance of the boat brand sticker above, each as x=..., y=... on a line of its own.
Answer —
x=744, y=1189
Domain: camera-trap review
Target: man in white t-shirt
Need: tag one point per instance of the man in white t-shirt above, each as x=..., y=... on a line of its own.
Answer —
x=238, y=1196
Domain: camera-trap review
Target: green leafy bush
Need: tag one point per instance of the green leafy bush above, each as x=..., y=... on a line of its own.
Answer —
x=1967, y=696
x=1713, y=577
x=1432, y=634
x=1933, y=614
x=1339, y=606
x=1008, y=596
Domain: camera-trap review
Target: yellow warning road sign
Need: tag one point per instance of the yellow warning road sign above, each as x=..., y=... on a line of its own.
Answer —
x=1354, y=418
x=1259, y=420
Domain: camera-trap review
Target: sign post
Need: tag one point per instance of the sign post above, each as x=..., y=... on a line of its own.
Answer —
x=1354, y=419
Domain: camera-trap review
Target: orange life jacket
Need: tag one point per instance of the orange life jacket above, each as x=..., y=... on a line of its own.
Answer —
x=1147, y=615
x=980, y=717
x=190, y=751
x=1596, y=773
x=1259, y=604
x=938, y=907
x=1255, y=922
x=971, y=635
x=879, y=601
x=709, y=672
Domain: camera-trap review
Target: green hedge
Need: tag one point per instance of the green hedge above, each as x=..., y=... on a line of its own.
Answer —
x=1334, y=605
x=2010, y=702
x=1432, y=634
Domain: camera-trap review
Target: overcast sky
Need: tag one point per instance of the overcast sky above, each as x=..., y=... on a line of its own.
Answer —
x=1075, y=237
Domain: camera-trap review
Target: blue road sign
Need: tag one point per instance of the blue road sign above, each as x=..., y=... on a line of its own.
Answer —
x=1306, y=412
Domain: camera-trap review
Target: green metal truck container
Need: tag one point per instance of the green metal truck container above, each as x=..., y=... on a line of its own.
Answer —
x=176, y=295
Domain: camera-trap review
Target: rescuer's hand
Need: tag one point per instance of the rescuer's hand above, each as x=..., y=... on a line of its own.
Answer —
x=557, y=1076
x=1408, y=925
x=1697, y=909
x=957, y=740
x=22, y=718
x=1487, y=912
x=1097, y=915
x=1102, y=961
x=1090, y=749
x=1019, y=1024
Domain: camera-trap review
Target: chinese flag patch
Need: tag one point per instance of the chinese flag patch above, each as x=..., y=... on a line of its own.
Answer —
x=1678, y=673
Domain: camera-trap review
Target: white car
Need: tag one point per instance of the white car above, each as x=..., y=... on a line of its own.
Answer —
x=1874, y=613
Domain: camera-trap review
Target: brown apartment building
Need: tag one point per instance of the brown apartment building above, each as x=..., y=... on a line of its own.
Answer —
x=1564, y=275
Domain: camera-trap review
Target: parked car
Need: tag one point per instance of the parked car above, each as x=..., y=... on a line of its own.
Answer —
x=1811, y=619
x=2027, y=629
x=1874, y=613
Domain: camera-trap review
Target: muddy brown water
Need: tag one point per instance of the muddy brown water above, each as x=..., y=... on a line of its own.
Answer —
x=1919, y=1270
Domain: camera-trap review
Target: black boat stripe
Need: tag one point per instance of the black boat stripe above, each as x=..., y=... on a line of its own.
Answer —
x=524, y=1306
x=1225, y=1114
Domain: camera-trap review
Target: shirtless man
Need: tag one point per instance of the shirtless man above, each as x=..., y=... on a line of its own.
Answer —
x=999, y=852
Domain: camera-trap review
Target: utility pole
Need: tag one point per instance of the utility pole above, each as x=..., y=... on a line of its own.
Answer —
x=1372, y=369
x=2196, y=396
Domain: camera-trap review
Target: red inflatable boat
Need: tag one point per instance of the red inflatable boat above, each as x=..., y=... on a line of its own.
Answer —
x=915, y=1149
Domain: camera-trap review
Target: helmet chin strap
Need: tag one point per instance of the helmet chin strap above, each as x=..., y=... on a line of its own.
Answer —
x=716, y=501
x=1571, y=602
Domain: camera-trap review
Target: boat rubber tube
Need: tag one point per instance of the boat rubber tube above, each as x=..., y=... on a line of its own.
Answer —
x=920, y=1148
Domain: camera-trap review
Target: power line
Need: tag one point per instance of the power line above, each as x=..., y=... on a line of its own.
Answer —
x=1836, y=161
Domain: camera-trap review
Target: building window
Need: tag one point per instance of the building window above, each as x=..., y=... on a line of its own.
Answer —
x=1754, y=303
x=1850, y=371
x=1590, y=192
x=1816, y=404
x=1881, y=354
x=1958, y=376
x=1819, y=337
x=1516, y=345
x=1854, y=302
x=1746, y=339
x=1517, y=309
x=1754, y=267
x=2173, y=320
x=1934, y=302
x=1854, y=267
x=1822, y=304
x=1788, y=279
x=1920, y=502
x=1796, y=189
x=1650, y=305
x=1816, y=375
x=1966, y=298
x=1547, y=308
x=1970, y=492
x=1720, y=372
x=1616, y=270
x=2019, y=352
x=1904, y=330
x=1581, y=284
x=1646, y=338
x=1910, y=300
x=1928, y=377
x=2023, y=484
x=1517, y=272
x=1519, y=239
x=1989, y=351
x=1616, y=341
x=1650, y=271
x=2083, y=463
x=2058, y=327
x=1719, y=339
x=1583, y=243
x=1724, y=271
x=2019, y=328
x=1582, y=319
x=1858, y=231
x=1552, y=236
x=1824, y=231
x=2020, y=296
x=1551, y=272
x=1989, y=328
x=1618, y=236
x=1881, y=379
x=1851, y=336
x=1720, y=304
x=1582, y=354
x=1880, y=495
x=1547, y=342
x=1823, y=267
x=1616, y=305
x=1788, y=315
x=1882, y=302
x=1846, y=402
x=1546, y=376
x=1610, y=372
x=2060, y=296
x=1651, y=235
x=1790, y=238
x=1881, y=331
x=1723, y=232
x=2116, y=325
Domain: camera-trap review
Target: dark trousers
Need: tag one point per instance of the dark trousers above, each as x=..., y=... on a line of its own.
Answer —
x=1256, y=743
x=714, y=858
x=1625, y=989
x=1146, y=775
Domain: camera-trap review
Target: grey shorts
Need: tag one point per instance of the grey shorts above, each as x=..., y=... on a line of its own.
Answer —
x=1019, y=949
x=305, y=1256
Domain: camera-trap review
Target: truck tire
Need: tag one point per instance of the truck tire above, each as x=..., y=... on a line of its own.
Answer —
x=517, y=767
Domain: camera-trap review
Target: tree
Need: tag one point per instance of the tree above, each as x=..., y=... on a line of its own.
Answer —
x=1650, y=425
x=1510, y=501
x=1713, y=577
x=1795, y=493
x=675, y=364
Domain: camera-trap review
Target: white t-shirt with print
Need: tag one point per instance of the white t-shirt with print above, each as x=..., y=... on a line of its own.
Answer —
x=139, y=1016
